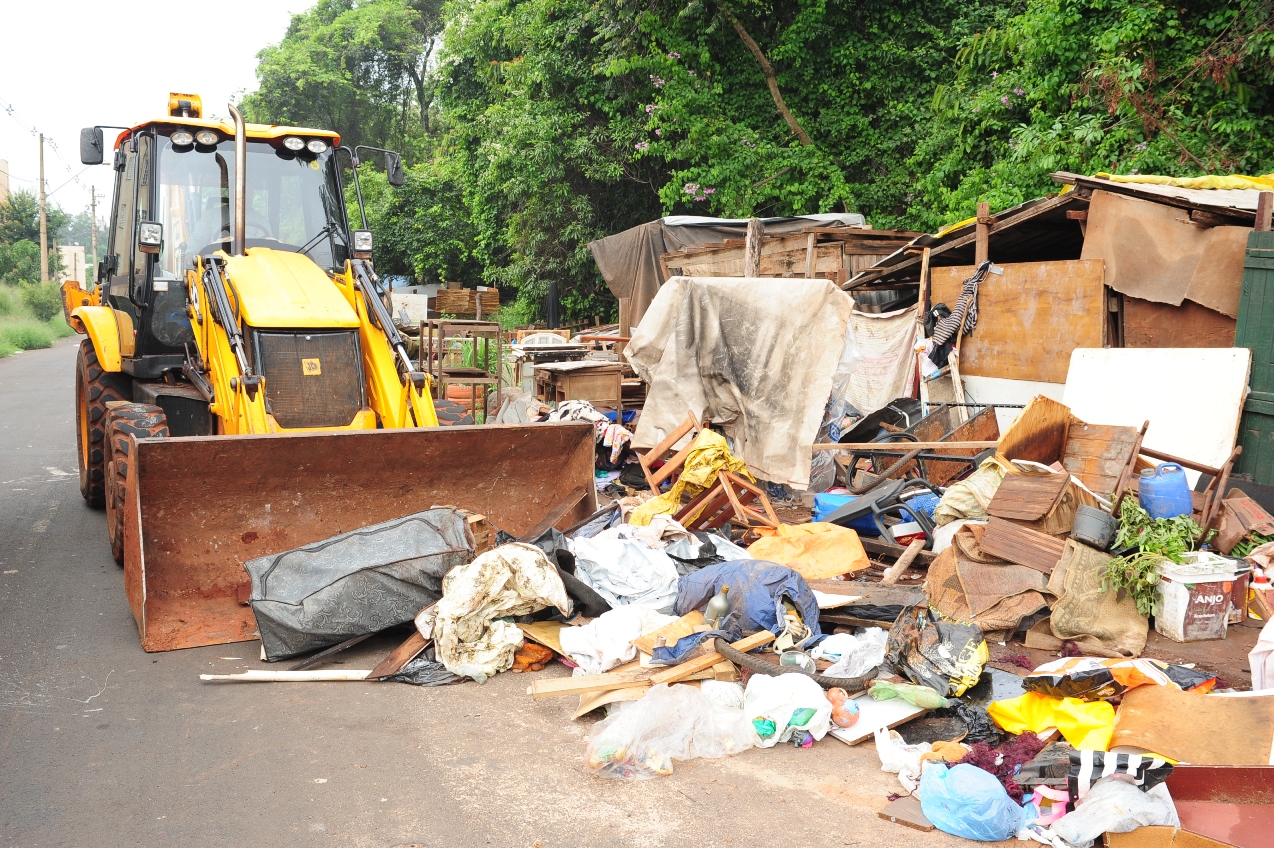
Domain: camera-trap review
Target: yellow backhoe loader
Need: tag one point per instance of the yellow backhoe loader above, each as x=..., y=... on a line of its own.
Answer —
x=243, y=389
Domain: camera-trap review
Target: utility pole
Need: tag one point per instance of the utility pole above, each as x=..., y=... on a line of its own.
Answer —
x=92, y=227
x=44, y=222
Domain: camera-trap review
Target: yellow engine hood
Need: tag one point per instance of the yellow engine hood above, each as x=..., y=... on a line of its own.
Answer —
x=283, y=289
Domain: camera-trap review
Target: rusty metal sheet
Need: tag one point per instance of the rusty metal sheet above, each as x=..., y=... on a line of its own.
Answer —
x=1231, y=803
x=198, y=508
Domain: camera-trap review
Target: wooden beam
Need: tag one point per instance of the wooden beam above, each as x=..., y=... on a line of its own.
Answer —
x=1264, y=205
x=752, y=248
x=896, y=571
x=810, y=241
x=982, y=234
x=710, y=658
x=902, y=447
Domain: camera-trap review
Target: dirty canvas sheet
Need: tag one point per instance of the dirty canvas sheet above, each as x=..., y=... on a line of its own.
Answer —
x=756, y=356
x=888, y=368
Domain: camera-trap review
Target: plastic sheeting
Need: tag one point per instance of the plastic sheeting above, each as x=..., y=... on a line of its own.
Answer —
x=757, y=591
x=751, y=355
x=625, y=570
x=816, y=550
x=363, y=581
x=1086, y=725
x=468, y=626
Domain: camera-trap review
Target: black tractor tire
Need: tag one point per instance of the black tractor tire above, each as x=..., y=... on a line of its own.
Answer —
x=94, y=389
x=451, y=414
x=125, y=422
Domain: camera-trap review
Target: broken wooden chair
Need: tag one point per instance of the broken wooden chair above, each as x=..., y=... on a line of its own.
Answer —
x=659, y=453
x=1207, y=504
x=732, y=500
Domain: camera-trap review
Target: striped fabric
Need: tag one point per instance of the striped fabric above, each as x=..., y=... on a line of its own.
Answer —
x=1087, y=767
x=967, y=304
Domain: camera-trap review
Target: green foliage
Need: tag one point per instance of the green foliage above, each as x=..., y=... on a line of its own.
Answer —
x=43, y=299
x=28, y=334
x=1156, y=540
x=20, y=218
x=19, y=261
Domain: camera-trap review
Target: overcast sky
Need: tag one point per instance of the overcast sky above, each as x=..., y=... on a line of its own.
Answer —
x=66, y=64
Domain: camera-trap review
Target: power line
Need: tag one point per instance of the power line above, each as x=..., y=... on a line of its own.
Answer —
x=11, y=111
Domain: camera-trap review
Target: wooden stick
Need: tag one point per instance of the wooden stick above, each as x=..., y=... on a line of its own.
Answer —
x=269, y=676
x=400, y=656
x=709, y=659
x=904, y=562
x=902, y=447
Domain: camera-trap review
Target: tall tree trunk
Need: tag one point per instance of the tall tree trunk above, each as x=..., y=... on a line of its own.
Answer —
x=770, y=79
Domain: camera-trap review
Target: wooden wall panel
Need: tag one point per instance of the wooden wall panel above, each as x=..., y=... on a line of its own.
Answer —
x=1030, y=318
x=1149, y=324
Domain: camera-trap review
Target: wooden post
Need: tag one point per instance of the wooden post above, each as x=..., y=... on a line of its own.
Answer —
x=625, y=318
x=982, y=234
x=1264, y=205
x=811, y=242
x=752, y=248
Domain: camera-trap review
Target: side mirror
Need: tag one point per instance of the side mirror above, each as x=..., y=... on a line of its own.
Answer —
x=394, y=169
x=92, y=147
x=150, y=236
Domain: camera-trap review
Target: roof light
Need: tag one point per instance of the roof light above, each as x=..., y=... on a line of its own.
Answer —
x=207, y=138
x=182, y=138
x=317, y=146
x=293, y=143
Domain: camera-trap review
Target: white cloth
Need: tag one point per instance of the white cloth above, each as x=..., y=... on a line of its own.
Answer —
x=514, y=579
x=626, y=571
x=751, y=355
x=887, y=344
x=606, y=641
x=857, y=654
x=1262, y=659
x=776, y=698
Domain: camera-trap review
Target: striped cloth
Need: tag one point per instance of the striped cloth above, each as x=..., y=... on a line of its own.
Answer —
x=966, y=304
x=1087, y=767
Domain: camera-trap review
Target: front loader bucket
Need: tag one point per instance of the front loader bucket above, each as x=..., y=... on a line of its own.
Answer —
x=198, y=508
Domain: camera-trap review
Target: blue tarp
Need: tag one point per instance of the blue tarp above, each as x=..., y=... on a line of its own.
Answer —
x=757, y=590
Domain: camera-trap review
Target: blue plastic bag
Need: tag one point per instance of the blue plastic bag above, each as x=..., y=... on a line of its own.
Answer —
x=968, y=802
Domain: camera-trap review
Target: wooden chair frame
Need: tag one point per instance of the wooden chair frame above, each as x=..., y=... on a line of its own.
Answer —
x=673, y=464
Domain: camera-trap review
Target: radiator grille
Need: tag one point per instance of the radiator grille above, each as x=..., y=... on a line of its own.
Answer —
x=311, y=379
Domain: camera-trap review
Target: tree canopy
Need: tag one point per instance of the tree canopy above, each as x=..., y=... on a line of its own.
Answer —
x=535, y=126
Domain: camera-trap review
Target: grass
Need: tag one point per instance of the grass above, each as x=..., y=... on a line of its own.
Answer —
x=25, y=333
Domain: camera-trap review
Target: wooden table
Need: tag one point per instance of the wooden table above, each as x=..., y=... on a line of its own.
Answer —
x=599, y=383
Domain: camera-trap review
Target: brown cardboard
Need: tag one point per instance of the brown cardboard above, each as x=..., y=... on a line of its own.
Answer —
x=1161, y=836
x=1240, y=515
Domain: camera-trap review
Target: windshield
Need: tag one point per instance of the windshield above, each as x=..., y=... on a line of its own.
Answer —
x=294, y=203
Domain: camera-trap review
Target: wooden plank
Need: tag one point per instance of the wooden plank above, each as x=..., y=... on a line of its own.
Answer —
x=1027, y=497
x=1099, y=454
x=871, y=594
x=590, y=683
x=1022, y=546
x=709, y=659
x=904, y=562
x=1149, y=324
x=906, y=811
x=1031, y=318
x=905, y=447
x=1039, y=433
x=671, y=632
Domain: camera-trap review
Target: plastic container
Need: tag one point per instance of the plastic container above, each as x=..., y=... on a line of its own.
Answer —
x=1164, y=492
x=1194, y=597
x=1094, y=527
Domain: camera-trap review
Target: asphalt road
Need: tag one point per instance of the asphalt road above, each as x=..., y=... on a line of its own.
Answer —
x=104, y=745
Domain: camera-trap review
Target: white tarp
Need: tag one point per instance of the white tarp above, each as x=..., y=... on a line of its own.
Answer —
x=888, y=368
x=754, y=355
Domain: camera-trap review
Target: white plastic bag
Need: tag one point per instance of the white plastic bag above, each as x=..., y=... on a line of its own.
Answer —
x=675, y=722
x=606, y=641
x=627, y=571
x=897, y=757
x=771, y=702
x=859, y=657
x=1113, y=805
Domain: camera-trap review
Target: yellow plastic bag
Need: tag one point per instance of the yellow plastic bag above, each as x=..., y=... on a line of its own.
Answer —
x=817, y=551
x=1087, y=725
x=709, y=454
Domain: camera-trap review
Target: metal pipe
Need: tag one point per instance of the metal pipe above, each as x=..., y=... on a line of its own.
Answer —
x=239, y=238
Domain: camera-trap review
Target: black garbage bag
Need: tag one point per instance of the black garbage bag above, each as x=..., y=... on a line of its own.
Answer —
x=363, y=581
x=424, y=670
x=946, y=656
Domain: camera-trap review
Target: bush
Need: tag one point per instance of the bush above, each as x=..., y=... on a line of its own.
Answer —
x=6, y=303
x=43, y=299
x=28, y=335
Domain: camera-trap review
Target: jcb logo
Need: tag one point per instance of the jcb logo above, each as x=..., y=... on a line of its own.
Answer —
x=311, y=367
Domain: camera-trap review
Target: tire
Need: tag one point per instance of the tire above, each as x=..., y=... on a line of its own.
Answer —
x=124, y=423
x=94, y=389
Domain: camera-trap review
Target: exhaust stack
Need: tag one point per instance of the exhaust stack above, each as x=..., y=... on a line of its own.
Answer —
x=238, y=242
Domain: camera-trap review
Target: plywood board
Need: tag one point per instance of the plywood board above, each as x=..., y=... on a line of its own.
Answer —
x=671, y=632
x=1030, y=318
x=1198, y=729
x=1027, y=497
x=1192, y=398
x=546, y=633
x=873, y=715
x=1150, y=324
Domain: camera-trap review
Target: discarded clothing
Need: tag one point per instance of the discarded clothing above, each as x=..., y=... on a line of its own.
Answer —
x=816, y=551
x=606, y=642
x=467, y=625
x=1087, y=767
x=363, y=581
x=557, y=548
x=757, y=592
x=970, y=497
x=624, y=570
x=709, y=455
x=1086, y=725
x=607, y=433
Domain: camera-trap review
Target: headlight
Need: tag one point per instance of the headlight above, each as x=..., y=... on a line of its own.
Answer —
x=207, y=138
x=293, y=143
x=182, y=138
x=362, y=241
x=316, y=146
x=150, y=235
